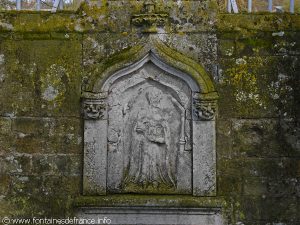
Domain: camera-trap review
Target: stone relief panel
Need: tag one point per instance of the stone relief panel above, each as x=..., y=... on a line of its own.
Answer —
x=149, y=133
x=150, y=129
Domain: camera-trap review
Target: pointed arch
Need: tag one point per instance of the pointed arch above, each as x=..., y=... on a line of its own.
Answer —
x=162, y=56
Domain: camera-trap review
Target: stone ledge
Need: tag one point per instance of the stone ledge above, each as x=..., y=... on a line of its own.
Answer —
x=151, y=215
x=119, y=200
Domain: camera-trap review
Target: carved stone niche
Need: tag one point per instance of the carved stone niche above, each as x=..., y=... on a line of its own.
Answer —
x=150, y=129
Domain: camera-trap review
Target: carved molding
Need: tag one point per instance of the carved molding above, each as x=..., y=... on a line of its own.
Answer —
x=94, y=109
x=95, y=96
x=153, y=50
x=204, y=109
x=150, y=20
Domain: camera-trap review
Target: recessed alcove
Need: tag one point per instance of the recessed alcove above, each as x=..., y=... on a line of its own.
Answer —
x=149, y=128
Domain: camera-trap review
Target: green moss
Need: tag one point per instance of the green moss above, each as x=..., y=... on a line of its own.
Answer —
x=248, y=82
x=150, y=200
x=43, y=50
x=150, y=189
x=256, y=22
x=131, y=55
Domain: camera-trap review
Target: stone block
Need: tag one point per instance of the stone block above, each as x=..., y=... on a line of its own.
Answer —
x=226, y=48
x=272, y=168
x=249, y=208
x=182, y=17
x=234, y=167
x=6, y=137
x=267, y=44
x=12, y=164
x=5, y=126
x=144, y=215
x=59, y=186
x=204, y=158
x=64, y=136
x=68, y=165
x=263, y=22
x=116, y=11
x=5, y=183
x=245, y=79
x=229, y=185
x=285, y=187
x=200, y=47
x=256, y=138
x=224, y=139
x=97, y=47
x=254, y=186
x=95, y=157
x=279, y=209
x=26, y=185
x=289, y=134
x=45, y=81
x=47, y=135
x=30, y=135
x=43, y=164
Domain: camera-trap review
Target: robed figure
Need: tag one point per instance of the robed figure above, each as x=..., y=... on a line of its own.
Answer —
x=150, y=158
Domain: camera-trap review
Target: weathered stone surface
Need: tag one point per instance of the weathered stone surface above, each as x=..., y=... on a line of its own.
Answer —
x=229, y=185
x=201, y=47
x=149, y=118
x=204, y=158
x=254, y=59
x=152, y=215
x=6, y=137
x=68, y=165
x=149, y=121
x=95, y=157
x=41, y=78
x=224, y=140
x=47, y=135
x=255, y=139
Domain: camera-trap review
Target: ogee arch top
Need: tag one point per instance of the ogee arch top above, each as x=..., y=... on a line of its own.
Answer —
x=163, y=57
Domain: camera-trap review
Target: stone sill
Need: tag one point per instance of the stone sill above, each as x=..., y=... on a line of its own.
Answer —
x=121, y=200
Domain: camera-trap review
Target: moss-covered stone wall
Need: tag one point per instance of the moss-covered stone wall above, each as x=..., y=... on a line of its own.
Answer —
x=258, y=145
x=46, y=59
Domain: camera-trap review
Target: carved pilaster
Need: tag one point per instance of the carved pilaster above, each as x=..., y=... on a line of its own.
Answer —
x=94, y=108
x=204, y=109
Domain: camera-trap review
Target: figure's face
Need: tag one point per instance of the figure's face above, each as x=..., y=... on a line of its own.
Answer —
x=141, y=125
x=154, y=97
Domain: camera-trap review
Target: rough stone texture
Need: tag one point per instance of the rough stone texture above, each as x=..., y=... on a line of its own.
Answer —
x=46, y=58
x=204, y=176
x=95, y=157
x=155, y=123
x=146, y=215
x=258, y=164
x=149, y=114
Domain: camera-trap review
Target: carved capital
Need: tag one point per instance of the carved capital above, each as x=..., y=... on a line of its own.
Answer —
x=204, y=109
x=94, y=109
x=149, y=20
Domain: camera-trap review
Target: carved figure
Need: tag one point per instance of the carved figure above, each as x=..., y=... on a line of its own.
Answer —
x=149, y=162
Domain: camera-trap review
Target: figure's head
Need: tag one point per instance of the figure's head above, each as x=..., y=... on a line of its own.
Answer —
x=154, y=97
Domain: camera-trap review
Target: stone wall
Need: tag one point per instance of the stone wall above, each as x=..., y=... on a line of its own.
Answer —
x=46, y=60
x=258, y=145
